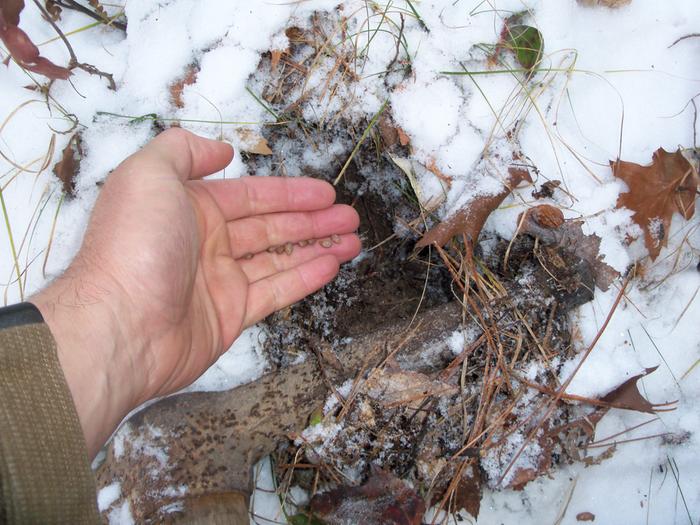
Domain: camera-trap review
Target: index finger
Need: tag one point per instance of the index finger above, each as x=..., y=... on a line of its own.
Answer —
x=237, y=198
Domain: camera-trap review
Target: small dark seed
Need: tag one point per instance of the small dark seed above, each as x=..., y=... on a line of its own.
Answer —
x=248, y=256
x=280, y=249
x=302, y=243
x=326, y=243
x=311, y=241
x=335, y=238
x=272, y=249
x=288, y=248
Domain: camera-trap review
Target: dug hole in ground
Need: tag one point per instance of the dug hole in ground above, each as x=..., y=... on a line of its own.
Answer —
x=518, y=340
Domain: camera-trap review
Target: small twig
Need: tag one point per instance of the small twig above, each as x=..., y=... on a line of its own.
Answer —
x=74, y=62
x=71, y=4
x=691, y=35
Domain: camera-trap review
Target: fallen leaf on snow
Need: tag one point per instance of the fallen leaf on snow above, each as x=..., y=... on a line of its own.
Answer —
x=656, y=192
x=383, y=500
x=585, y=516
x=627, y=395
x=470, y=219
x=177, y=87
x=67, y=168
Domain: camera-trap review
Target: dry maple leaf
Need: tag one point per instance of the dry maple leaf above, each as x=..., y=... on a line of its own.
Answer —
x=21, y=48
x=656, y=192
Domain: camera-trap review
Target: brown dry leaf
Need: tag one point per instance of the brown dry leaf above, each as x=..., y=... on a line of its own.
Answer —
x=295, y=34
x=383, y=500
x=471, y=218
x=627, y=395
x=253, y=143
x=404, y=139
x=585, y=516
x=177, y=87
x=570, y=236
x=388, y=131
x=67, y=168
x=275, y=57
x=394, y=388
x=546, y=216
x=21, y=48
x=468, y=493
x=547, y=189
x=432, y=168
x=656, y=192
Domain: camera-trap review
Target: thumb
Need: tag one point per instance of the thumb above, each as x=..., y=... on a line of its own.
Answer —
x=188, y=155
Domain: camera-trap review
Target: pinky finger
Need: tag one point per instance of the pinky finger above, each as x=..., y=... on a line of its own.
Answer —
x=285, y=288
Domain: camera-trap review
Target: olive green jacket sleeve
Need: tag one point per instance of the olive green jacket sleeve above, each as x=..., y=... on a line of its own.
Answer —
x=45, y=474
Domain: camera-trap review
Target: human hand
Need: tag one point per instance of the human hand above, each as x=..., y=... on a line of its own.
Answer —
x=164, y=283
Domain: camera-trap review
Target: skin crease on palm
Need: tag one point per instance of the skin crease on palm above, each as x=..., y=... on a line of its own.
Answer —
x=163, y=282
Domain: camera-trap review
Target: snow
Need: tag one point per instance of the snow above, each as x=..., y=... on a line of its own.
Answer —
x=108, y=495
x=615, y=87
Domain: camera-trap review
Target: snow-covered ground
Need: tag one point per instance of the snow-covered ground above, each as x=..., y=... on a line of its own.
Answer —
x=610, y=85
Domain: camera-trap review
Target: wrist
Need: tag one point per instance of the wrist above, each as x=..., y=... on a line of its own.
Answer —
x=95, y=351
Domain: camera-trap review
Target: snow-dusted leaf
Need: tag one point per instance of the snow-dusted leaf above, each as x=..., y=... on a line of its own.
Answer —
x=471, y=218
x=253, y=143
x=67, y=168
x=177, y=87
x=656, y=192
x=383, y=500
